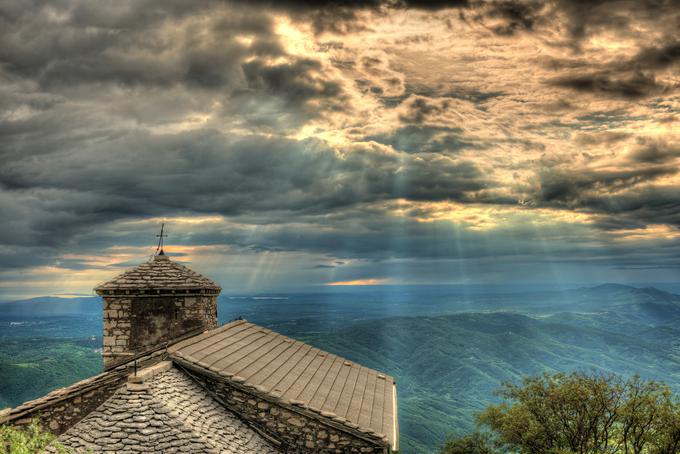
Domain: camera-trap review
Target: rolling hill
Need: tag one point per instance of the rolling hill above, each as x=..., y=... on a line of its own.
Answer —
x=449, y=354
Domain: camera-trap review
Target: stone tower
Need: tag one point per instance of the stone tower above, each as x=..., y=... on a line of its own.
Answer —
x=154, y=303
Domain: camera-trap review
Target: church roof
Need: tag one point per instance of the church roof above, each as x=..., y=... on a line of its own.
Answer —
x=159, y=273
x=296, y=374
x=168, y=413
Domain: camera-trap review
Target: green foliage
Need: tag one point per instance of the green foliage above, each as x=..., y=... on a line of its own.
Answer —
x=448, y=367
x=27, y=440
x=578, y=413
x=474, y=443
x=448, y=354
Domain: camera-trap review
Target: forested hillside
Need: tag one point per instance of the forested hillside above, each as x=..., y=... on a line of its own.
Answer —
x=449, y=355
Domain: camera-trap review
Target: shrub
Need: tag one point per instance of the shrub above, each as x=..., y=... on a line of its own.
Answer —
x=578, y=413
x=27, y=440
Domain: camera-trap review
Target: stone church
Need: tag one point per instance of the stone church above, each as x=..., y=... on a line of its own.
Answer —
x=175, y=381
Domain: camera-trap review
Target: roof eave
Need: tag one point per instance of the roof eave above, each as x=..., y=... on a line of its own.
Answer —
x=156, y=291
x=343, y=426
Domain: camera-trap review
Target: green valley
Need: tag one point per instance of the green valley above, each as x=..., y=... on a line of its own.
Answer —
x=449, y=355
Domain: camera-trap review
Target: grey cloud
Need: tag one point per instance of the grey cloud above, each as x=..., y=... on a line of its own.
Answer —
x=370, y=234
x=569, y=186
x=583, y=17
x=139, y=175
x=628, y=78
x=423, y=138
x=656, y=153
x=515, y=15
x=420, y=109
x=624, y=196
x=132, y=47
x=340, y=16
x=631, y=87
x=597, y=138
x=295, y=84
x=587, y=17
x=635, y=209
x=192, y=53
x=84, y=85
x=656, y=57
x=624, y=77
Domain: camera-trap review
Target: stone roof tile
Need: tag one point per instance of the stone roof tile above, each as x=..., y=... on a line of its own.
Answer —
x=159, y=273
x=171, y=413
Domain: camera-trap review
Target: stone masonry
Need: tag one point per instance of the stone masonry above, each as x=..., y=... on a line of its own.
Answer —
x=136, y=323
x=63, y=408
x=154, y=303
x=301, y=432
x=163, y=411
x=175, y=382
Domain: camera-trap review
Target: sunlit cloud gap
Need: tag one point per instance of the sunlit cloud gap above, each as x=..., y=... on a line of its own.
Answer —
x=359, y=282
x=407, y=144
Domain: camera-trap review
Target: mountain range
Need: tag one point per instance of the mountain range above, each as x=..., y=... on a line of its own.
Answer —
x=449, y=351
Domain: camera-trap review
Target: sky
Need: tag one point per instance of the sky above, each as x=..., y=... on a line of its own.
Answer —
x=291, y=146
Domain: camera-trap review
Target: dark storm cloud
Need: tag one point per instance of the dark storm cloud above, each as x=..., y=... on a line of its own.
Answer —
x=636, y=209
x=606, y=137
x=656, y=57
x=300, y=81
x=630, y=78
x=430, y=139
x=300, y=5
x=140, y=175
x=85, y=51
x=421, y=108
x=570, y=186
x=631, y=194
x=340, y=16
x=624, y=77
x=515, y=15
x=115, y=113
x=124, y=42
x=585, y=17
x=656, y=153
x=590, y=16
x=630, y=87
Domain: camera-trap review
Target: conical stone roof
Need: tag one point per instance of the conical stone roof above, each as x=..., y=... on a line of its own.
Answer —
x=158, y=275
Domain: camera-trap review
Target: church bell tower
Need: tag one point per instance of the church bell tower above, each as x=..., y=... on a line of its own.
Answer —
x=153, y=304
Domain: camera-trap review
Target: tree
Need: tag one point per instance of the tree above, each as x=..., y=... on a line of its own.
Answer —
x=579, y=413
x=475, y=443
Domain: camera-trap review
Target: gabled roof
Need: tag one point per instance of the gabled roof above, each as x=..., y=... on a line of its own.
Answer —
x=159, y=273
x=296, y=374
x=168, y=413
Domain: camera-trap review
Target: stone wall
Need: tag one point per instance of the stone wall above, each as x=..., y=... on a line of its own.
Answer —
x=63, y=408
x=301, y=432
x=116, y=332
x=60, y=416
x=137, y=323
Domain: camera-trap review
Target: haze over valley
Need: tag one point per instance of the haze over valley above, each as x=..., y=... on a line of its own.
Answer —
x=449, y=347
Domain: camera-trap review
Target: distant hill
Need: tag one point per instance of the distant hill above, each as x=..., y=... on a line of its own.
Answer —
x=31, y=367
x=646, y=306
x=448, y=367
x=649, y=305
x=51, y=306
x=448, y=351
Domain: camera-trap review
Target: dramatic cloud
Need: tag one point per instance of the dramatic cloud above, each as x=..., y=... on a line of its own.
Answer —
x=380, y=141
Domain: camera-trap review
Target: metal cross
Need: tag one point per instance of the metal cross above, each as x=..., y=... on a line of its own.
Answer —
x=160, y=239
